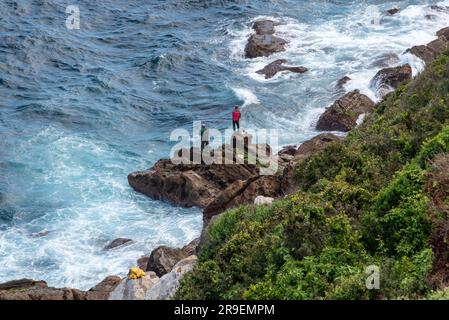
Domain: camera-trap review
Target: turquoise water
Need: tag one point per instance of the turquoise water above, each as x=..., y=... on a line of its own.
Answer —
x=80, y=109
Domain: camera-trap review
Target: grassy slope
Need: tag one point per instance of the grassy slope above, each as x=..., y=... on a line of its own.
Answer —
x=364, y=201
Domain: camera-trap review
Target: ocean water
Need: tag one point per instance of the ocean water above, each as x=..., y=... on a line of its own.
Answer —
x=80, y=109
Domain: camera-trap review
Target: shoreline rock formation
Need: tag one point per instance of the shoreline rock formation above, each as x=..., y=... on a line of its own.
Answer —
x=263, y=43
x=343, y=114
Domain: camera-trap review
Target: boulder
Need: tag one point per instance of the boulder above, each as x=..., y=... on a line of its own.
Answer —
x=188, y=185
x=168, y=284
x=134, y=289
x=163, y=258
x=278, y=66
x=343, y=114
x=261, y=200
x=263, y=43
x=118, y=243
x=388, y=79
x=430, y=51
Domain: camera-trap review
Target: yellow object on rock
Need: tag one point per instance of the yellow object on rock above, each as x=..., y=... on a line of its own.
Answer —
x=135, y=273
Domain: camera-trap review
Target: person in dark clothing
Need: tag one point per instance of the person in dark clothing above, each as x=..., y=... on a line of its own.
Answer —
x=204, y=137
x=236, y=115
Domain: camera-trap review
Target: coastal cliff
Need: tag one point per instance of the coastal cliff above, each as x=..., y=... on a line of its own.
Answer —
x=377, y=197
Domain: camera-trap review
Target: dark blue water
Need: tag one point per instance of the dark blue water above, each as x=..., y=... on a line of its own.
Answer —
x=80, y=109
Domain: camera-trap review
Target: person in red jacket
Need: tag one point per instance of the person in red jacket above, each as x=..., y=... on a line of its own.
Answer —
x=236, y=118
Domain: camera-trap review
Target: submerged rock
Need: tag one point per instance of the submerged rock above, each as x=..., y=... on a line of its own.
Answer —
x=388, y=79
x=341, y=83
x=343, y=114
x=278, y=66
x=393, y=11
x=118, y=243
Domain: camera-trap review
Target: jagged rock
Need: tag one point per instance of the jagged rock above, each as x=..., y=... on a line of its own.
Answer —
x=430, y=51
x=26, y=289
x=134, y=289
x=168, y=284
x=438, y=45
x=388, y=79
x=278, y=66
x=341, y=83
x=423, y=52
x=191, y=248
x=118, y=243
x=163, y=258
x=102, y=290
x=393, y=11
x=444, y=33
x=242, y=192
x=343, y=114
x=261, y=200
x=188, y=185
x=263, y=43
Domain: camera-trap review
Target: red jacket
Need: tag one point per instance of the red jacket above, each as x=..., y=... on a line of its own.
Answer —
x=236, y=115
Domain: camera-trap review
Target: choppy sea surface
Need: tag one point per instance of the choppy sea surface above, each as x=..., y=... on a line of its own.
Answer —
x=80, y=109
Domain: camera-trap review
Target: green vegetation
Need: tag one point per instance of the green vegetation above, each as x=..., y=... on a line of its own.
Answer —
x=368, y=200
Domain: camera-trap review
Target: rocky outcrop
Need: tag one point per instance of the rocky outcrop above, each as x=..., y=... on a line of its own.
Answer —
x=388, y=79
x=263, y=43
x=429, y=52
x=134, y=289
x=343, y=114
x=188, y=185
x=277, y=66
x=168, y=284
x=118, y=243
x=26, y=289
x=163, y=259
